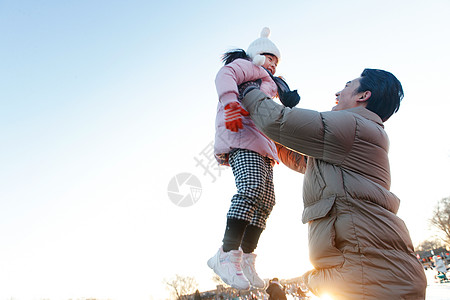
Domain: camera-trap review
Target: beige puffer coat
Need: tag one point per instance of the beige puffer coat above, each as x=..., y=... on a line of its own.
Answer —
x=359, y=247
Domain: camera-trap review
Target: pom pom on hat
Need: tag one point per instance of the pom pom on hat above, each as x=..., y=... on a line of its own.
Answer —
x=265, y=32
x=262, y=45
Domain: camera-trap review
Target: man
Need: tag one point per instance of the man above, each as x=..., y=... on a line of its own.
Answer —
x=358, y=246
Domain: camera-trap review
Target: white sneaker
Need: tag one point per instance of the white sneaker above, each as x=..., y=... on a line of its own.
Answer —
x=248, y=267
x=228, y=266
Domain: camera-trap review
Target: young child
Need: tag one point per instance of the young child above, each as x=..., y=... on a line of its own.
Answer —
x=251, y=155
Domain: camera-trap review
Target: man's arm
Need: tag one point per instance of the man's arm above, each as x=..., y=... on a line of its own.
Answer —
x=292, y=159
x=299, y=129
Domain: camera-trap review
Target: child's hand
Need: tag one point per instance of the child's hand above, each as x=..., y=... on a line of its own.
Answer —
x=233, y=116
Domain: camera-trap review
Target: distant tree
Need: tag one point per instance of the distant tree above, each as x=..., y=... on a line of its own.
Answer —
x=441, y=219
x=181, y=285
x=217, y=280
x=429, y=245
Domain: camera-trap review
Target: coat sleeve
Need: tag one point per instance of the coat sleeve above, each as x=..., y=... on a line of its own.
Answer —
x=328, y=136
x=235, y=73
x=299, y=129
x=294, y=160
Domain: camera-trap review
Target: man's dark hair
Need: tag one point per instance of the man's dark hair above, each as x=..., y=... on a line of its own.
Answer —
x=386, y=92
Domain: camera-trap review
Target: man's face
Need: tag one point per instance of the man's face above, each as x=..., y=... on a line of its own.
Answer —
x=348, y=98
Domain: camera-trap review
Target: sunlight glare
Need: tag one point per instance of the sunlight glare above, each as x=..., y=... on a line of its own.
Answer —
x=322, y=297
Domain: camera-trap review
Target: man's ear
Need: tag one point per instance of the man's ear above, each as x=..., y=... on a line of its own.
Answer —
x=364, y=96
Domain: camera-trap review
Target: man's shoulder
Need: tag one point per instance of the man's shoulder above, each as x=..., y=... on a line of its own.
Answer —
x=352, y=115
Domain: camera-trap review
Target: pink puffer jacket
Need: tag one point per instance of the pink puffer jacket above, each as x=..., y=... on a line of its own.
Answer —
x=227, y=80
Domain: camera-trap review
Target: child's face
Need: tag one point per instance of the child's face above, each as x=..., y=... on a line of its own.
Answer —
x=271, y=63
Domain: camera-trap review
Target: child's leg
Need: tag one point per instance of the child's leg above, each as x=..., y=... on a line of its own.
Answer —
x=233, y=234
x=250, y=177
x=255, y=228
x=264, y=208
x=251, y=238
x=250, y=172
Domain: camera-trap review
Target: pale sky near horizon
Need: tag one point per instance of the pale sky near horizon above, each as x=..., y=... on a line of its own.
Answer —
x=102, y=103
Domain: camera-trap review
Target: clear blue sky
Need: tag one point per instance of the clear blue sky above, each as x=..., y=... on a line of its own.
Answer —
x=102, y=103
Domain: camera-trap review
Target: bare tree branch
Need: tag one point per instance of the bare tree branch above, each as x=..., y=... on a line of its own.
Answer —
x=429, y=245
x=181, y=286
x=441, y=218
x=216, y=279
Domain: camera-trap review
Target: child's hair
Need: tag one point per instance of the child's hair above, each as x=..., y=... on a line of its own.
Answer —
x=234, y=54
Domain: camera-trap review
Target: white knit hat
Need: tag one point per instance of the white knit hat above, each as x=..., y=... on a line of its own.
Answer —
x=262, y=45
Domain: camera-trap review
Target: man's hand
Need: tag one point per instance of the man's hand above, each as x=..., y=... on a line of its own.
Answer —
x=233, y=116
x=247, y=87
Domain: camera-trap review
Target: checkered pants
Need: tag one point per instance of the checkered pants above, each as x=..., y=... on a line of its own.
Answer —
x=255, y=198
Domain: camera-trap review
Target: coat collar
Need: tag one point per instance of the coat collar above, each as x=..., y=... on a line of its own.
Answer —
x=364, y=112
